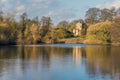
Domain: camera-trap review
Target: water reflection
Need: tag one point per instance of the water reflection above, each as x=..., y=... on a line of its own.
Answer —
x=103, y=61
x=51, y=63
x=78, y=54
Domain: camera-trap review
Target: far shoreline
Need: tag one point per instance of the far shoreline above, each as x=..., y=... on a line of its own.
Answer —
x=107, y=44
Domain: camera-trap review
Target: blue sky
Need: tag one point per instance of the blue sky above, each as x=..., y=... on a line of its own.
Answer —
x=58, y=10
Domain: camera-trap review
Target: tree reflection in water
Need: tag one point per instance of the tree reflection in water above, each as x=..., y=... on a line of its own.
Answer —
x=102, y=61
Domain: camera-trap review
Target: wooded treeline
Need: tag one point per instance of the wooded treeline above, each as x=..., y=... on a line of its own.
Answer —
x=103, y=27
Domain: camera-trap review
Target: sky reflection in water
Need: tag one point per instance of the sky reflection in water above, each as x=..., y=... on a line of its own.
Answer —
x=60, y=62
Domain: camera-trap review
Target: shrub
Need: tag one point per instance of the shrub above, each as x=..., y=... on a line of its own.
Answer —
x=98, y=33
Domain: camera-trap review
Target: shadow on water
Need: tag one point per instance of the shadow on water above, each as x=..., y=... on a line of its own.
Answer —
x=98, y=62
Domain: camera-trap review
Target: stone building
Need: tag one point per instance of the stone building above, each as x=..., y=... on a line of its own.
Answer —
x=80, y=29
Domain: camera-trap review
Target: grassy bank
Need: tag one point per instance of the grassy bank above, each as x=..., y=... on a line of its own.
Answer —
x=72, y=40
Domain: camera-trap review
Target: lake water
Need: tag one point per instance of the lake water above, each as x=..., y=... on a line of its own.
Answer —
x=60, y=62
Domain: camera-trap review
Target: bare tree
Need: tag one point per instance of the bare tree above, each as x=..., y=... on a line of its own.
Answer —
x=107, y=14
x=92, y=15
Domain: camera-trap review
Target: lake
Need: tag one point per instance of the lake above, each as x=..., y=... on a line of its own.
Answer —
x=60, y=62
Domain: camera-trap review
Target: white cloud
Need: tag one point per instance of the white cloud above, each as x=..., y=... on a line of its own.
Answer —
x=5, y=5
x=115, y=3
x=20, y=8
x=40, y=0
x=62, y=14
x=3, y=1
x=39, y=8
